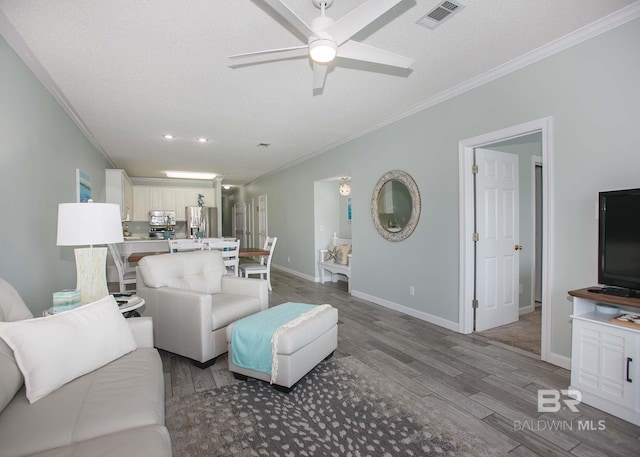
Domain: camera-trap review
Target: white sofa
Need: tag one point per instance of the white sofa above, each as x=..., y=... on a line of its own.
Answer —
x=116, y=410
x=192, y=302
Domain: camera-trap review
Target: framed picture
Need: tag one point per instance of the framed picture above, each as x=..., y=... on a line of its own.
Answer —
x=83, y=186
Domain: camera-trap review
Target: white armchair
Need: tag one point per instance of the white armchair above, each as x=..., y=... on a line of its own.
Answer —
x=192, y=302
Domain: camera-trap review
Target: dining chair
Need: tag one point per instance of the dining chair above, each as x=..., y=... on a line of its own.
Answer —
x=126, y=272
x=230, y=248
x=263, y=267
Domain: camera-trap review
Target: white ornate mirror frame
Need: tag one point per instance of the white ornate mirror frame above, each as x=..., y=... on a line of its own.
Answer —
x=401, y=232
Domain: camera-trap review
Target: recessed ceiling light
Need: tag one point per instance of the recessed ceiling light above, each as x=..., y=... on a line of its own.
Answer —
x=190, y=175
x=168, y=136
x=226, y=187
x=202, y=140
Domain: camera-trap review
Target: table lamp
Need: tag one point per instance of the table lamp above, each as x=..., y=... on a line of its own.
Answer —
x=82, y=224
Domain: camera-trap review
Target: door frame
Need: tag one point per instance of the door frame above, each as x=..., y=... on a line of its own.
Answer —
x=535, y=162
x=263, y=221
x=466, y=202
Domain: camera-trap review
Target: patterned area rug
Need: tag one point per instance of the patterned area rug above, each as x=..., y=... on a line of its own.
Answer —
x=341, y=408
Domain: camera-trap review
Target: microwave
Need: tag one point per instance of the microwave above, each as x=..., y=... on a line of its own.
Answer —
x=162, y=218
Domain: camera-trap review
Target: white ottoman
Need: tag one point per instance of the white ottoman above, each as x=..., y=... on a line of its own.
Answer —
x=298, y=349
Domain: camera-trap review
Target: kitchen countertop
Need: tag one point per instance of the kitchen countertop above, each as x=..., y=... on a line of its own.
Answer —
x=146, y=238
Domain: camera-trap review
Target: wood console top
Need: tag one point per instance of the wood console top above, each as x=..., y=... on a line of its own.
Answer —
x=604, y=298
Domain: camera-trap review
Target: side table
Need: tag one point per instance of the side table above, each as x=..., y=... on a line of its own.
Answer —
x=128, y=309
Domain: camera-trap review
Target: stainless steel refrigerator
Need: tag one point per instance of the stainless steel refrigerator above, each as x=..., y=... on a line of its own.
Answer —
x=202, y=221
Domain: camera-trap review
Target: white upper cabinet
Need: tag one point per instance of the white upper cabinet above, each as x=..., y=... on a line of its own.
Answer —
x=119, y=190
x=148, y=198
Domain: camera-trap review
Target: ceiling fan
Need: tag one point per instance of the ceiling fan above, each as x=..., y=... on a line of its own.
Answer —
x=328, y=39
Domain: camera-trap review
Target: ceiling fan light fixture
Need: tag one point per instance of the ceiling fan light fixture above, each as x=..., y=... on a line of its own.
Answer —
x=323, y=50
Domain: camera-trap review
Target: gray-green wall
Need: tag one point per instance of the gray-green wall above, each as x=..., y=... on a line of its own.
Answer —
x=40, y=149
x=592, y=93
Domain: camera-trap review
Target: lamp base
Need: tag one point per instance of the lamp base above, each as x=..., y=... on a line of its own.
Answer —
x=91, y=277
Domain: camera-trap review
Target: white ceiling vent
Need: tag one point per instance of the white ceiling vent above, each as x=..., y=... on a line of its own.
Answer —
x=439, y=14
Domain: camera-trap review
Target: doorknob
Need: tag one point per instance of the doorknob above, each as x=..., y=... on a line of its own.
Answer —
x=518, y=247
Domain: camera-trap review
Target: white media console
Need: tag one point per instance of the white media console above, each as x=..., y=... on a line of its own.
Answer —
x=605, y=359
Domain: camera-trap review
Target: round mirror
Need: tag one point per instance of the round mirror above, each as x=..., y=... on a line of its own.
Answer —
x=395, y=205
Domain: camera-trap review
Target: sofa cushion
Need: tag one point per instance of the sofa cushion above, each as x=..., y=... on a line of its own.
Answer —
x=200, y=271
x=54, y=350
x=151, y=441
x=10, y=376
x=124, y=394
x=12, y=308
x=228, y=308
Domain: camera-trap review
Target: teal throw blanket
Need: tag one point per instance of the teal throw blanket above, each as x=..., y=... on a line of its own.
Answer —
x=251, y=336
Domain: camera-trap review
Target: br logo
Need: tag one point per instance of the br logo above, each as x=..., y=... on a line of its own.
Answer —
x=549, y=400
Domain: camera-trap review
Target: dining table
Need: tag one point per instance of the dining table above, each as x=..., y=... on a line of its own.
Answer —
x=244, y=252
x=253, y=252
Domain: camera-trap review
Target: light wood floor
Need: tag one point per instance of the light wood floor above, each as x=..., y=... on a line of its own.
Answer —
x=485, y=386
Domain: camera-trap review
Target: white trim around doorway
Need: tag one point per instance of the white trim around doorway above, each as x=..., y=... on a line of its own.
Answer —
x=465, y=151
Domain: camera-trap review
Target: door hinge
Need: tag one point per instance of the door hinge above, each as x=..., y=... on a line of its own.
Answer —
x=476, y=236
x=474, y=303
x=474, y=169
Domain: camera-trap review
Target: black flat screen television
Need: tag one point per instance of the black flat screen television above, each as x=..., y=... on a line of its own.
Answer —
x=619, y=242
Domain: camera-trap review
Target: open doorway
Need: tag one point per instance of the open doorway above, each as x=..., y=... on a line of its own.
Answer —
x=531, y=142
x=332, y=212
x=507, y=310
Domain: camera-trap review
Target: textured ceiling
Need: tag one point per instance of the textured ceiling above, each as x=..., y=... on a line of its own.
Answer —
x=132, y=71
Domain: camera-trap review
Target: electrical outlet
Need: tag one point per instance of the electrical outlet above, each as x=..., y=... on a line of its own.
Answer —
x=412, y=291
x=288, y=259
x=521, y=289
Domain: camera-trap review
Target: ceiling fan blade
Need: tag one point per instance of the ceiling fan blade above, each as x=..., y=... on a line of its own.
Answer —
x=291, y=17
x=319, y=75
x=350, y=24
x=358, y=51
x=269, y=51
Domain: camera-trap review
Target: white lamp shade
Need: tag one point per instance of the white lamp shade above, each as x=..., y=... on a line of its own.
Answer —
x=86, y=224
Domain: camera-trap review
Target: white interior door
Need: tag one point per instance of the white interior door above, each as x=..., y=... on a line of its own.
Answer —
x=263, y=228
x=241, y=223
x=497, y=225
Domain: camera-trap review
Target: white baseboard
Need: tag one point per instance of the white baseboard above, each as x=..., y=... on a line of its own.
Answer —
x=450, y=325
x=560, y=360
x=293, y=272
x=526, y=310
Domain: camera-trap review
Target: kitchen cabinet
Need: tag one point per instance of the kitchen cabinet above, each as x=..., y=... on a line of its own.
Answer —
x=605, y=357
x=148, y=198
x=119, y=190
